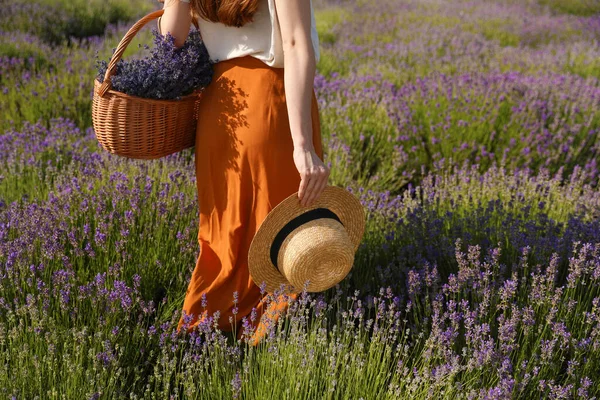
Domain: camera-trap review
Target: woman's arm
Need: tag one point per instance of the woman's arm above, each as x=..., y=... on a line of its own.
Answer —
x=299, y=73
x=176, y=19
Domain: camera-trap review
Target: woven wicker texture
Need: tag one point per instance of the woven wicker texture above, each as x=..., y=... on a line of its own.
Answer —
x=321, y=251
x=136, y=127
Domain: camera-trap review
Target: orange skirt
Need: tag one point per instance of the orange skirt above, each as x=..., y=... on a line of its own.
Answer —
x=244, y=168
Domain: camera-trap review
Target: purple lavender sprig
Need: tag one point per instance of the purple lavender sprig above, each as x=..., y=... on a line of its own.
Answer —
x=168, y=73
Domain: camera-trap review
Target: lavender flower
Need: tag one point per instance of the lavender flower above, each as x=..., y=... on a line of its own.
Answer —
x=168, y=73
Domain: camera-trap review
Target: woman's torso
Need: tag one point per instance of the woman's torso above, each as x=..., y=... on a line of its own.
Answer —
x=260, y=38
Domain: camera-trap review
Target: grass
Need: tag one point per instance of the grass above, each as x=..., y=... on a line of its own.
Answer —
x=327, y=19
x=586, y=8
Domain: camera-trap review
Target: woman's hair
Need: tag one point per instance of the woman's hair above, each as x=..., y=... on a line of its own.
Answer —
x=229, y=12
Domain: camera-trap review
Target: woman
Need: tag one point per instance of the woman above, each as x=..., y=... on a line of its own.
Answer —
x=258, y=141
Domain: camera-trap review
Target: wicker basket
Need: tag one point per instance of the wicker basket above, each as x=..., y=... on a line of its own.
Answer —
x=141, y=128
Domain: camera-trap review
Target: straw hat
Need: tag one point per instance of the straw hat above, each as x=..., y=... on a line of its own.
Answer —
x=316, y=243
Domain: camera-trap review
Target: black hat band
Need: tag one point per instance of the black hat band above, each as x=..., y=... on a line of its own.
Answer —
x=294, y=223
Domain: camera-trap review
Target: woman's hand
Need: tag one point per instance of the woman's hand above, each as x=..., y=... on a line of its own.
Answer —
x=313, y=174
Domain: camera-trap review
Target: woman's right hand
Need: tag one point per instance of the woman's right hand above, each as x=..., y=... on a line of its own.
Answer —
x=314, y=174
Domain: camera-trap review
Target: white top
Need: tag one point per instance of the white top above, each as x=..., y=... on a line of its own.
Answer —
x=260, y=38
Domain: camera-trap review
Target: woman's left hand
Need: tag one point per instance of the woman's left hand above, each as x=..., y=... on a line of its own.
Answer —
x=314, y=174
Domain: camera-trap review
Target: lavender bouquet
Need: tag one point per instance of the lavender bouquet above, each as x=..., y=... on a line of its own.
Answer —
x=168, y=73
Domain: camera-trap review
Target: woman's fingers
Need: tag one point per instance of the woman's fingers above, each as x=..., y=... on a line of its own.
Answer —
x=318, y=181
x=322, y=186
x=309, y=189
x=313, y=175
x=302, y=188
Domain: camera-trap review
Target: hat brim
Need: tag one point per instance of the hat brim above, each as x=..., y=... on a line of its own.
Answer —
x=343, y=203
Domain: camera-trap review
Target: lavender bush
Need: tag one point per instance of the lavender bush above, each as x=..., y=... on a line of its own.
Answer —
x=58, y=22
x=22, y=52
x=392, y=131
x=442, y=322
x=40, y=83
x=167, y=73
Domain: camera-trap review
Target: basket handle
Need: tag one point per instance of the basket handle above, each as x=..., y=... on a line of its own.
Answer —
x=123, y=46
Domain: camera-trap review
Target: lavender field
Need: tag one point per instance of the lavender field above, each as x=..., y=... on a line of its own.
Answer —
x=469, y=129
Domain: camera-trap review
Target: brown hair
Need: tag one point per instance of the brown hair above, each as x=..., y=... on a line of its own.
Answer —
x=229, y=12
